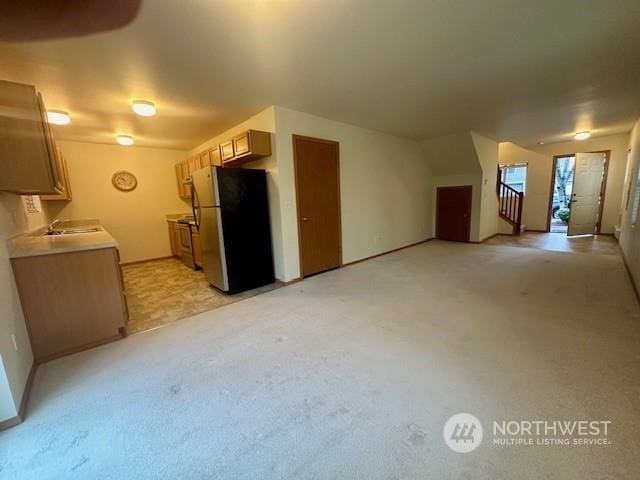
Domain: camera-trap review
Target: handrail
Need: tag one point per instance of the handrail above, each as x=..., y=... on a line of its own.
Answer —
x=510, y=203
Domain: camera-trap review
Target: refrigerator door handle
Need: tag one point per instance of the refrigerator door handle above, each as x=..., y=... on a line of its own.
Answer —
x=195, y=206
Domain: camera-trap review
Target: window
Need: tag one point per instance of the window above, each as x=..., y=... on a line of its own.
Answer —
x=515, y=176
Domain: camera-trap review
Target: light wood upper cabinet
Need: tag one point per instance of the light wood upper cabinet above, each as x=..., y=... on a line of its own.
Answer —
x=205, y=159
x=226, y=151
x=28, y=157
x=178, y=168
x=193, y=164
x=65, y=195
x=214, y=156
x=248, y=146
x=186, y=191
x=241, y=144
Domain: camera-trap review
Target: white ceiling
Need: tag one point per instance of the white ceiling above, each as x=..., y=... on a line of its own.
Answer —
x=512, y=70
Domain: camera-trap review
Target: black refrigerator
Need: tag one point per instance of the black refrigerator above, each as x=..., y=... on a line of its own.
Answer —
x=231, y=210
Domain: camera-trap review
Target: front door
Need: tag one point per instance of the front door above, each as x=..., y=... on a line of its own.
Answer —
x=453, y=213
x=585, y=198
x=318, y=195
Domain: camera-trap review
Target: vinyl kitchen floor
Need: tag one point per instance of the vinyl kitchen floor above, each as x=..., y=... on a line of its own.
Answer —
x=161, y=292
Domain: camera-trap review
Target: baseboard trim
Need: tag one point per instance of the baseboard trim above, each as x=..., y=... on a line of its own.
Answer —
x=491, y=236
x=288, y=282
x=124, y=264
x=387, y=252
x=633, y=283
x=22, y=410
x=82, y=348
x=9, y=423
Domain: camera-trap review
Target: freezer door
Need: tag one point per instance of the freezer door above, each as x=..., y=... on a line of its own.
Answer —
x=205, y=186
x=214, y=262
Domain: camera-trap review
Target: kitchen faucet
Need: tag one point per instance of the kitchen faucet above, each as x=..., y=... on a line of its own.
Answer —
x=51, y=225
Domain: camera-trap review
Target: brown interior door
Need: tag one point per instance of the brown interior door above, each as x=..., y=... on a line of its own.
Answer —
x=318, y=194
x=453, y=213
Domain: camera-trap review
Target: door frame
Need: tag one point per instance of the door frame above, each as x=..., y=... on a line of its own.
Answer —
x=295, y=137
x=469, y=187
x=603, y=187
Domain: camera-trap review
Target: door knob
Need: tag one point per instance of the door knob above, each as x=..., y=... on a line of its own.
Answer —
x=304, y=219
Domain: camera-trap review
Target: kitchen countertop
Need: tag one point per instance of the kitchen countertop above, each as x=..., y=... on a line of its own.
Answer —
x=174, y=217
x=37, y=243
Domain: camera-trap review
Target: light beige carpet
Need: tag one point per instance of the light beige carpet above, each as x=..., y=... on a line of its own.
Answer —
x=352, y=375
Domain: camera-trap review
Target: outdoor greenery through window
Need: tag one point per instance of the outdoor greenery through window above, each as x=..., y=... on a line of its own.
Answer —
x=515, y=176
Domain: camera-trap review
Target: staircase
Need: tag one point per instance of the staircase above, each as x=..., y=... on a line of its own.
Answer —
x=509, y=204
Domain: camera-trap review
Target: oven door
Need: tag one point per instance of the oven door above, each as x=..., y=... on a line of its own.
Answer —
x=186, y=248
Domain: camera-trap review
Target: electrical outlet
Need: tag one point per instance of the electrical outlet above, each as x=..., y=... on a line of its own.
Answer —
x=377, y=239
x=15, y=342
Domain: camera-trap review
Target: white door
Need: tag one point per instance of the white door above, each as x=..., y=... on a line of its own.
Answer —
x=585, y=198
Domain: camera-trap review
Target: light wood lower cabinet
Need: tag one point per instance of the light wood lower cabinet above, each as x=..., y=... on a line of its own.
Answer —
x=174, y=238
x=195, y=243
x=71, y=301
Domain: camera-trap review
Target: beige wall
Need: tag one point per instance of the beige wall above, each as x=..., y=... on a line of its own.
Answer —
x=536, y=198
x=630, y=233
x=136, y=219
x=619, y=146
x=487, y=153
x=384, y=186
x=14, y=365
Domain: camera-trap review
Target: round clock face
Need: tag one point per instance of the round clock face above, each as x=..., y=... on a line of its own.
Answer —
x=124, y=181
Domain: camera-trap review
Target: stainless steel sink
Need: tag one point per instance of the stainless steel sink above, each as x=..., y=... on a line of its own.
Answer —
x=71, y=231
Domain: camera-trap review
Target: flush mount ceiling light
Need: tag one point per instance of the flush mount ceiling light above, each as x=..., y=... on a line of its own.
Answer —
x=540, y=142
x=144, y=108
x=582, y=135
x=58, y=117
x=125, y=140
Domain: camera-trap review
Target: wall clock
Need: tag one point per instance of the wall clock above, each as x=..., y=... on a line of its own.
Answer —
x=124, y=181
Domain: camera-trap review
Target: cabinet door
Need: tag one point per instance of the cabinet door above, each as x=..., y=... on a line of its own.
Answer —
x=171, y=241
x=214, y=156
x=65, y=194
x=205, y=159
x=193, y=164
x=174, y=233
x=51, y=147
x=185, y=173
x=178, y=167
x=197, y=252
x=226, y=150
x=241, y=144
x=28, y=163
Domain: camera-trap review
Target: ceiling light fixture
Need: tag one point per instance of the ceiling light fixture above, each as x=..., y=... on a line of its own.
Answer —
x=125, y=140
x=582, y=135
x=58, y=117
x=144, y=108
x=540, y=142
